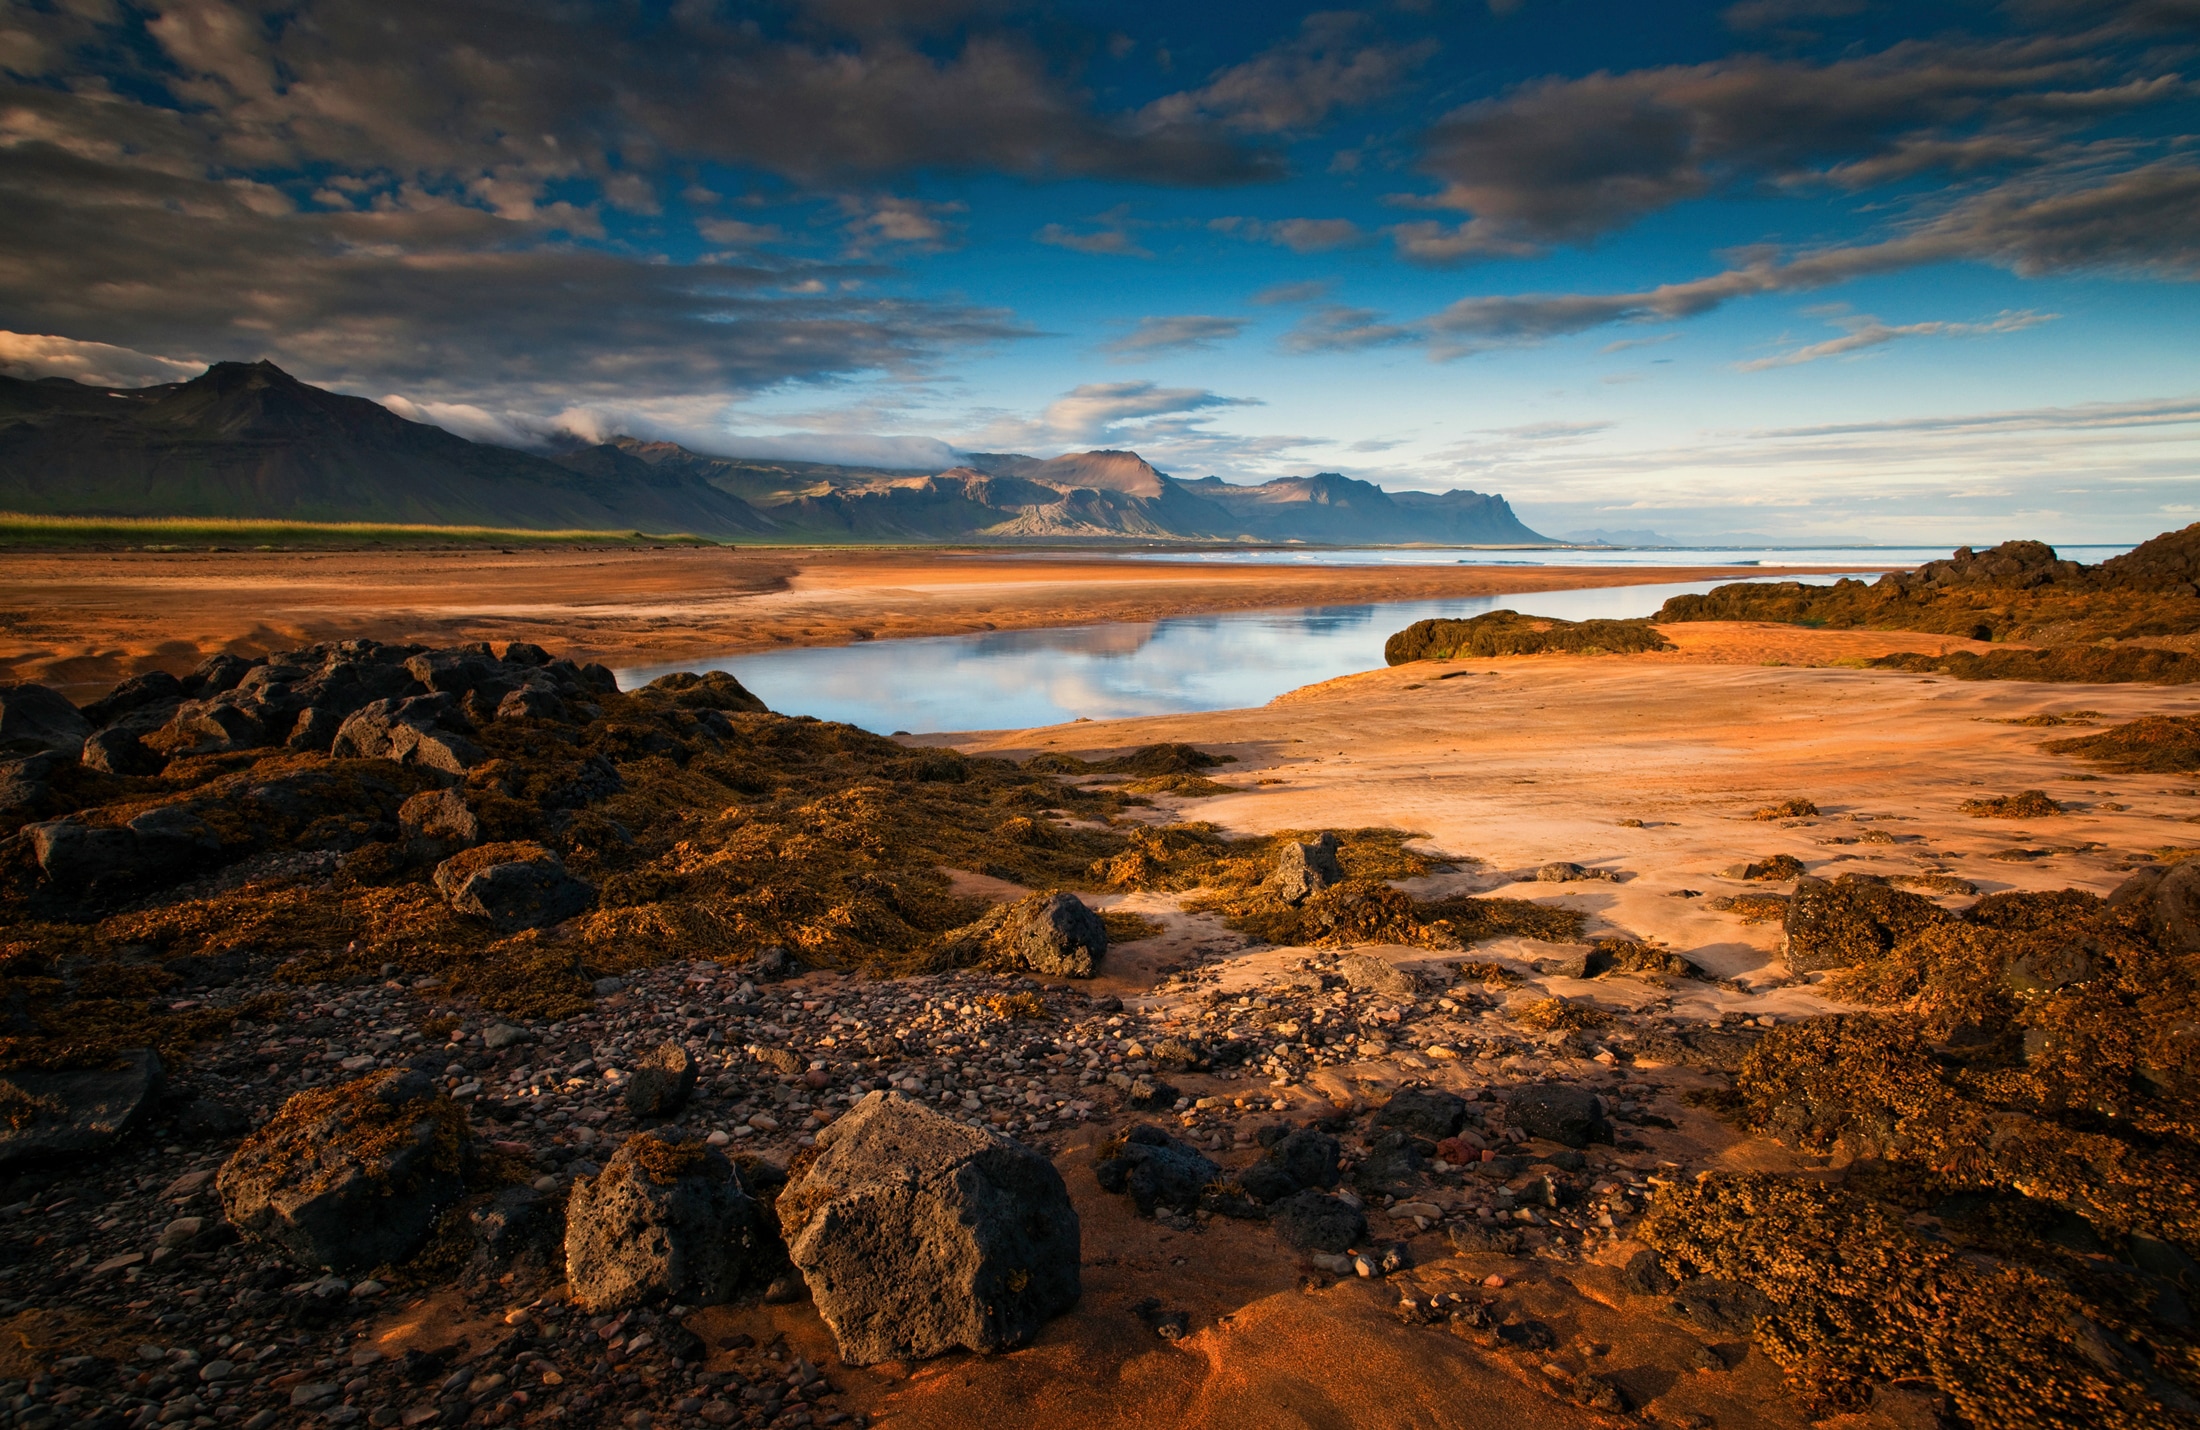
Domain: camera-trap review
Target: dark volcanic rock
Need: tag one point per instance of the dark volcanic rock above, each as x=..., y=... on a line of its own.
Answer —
x=64, y=1114
x=1058, y=935
x=119, y=752
x=1313, y=1222
x=664, y=1219
x=918, y=1234
x=1302, y=1159
x=350, y=1176
x=1153, y=1169
x=152, y=688
x=1559, y=1112
x=662, y=1079
x=1303, y=870
x=513, y=886
x=33, y=718
x=440, y=815
x=1424, y=1112
x=158, y=846
x=1394, y=1158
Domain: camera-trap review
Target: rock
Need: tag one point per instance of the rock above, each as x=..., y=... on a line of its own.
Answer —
x=525, y=653
x=209, y=727
x=314, y=731
x=1851, y=919
x=154, y=687
x=119, y=752
x=1724, y=1308
x=606, y=986
x=663, y=1078
x=25, y=783
x=710, y=690
x=216, y=674
x=440, y=815
x=33, y=719
x=1311, y=1221
x=1558, y=1112
x=1303, y=870
x=499, y=1036
x=664, y=1220
x=77, y=1113
x=511, y=1221
x=1424, y=1112
x=1153, y=1169
x=203, y=1118
x=1566, y=872
x=918, y=1234
x=1645, y=1275
x=1057, y=935
x=1372, y=974
x=1301, y=1159
x=1394, y=1158
x=158, y=846
x=350, y=1176
x=531, y=703
x=513, y=886
x=2175, y=917
x=1473, y=1238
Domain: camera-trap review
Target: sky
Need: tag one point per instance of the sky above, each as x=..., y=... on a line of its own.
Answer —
x=1801, y=269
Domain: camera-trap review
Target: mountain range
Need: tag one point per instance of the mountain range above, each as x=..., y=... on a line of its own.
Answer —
x=249, y=440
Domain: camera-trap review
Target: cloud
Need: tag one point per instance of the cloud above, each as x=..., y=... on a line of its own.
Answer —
x=895, y=453
x=478, y=424
x=1565, y=160
x=1296, y=84
x=734, y=234
x=926, y=227
x=1153, y=336
x=1769, y=14
x=1336, y=328
x=1866, y=332
x=1300, y=235
x=1290, y=293
x=1110, y=236
x=1138, y=414
x=36, y=355
x=2089, y=416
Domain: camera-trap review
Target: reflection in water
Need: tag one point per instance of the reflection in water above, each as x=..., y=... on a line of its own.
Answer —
x=1015, y=679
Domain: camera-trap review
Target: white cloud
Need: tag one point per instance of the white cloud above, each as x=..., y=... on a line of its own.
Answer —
x=35, y=355
x=1865, y=331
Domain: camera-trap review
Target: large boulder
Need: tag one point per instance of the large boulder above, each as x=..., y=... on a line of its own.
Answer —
x=1559, y=1112
x=33, y=718
x=1058, y=935
x=1311, y=1221
x=154, y=687
x=350, y=1176
x=514, y=886
x=1154, y=1170
x=119, y=752
x=1833, y=924
x=1303, y=870
x=1369, y=973
x=1424, y=1112
x=158, y=846
x=919, y=1235
x=665, y=1220
x=75, y=1113
x=1293, y=1163
x=440, y=817
x=662, y=1078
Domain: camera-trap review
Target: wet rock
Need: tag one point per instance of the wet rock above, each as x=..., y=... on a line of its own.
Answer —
x=1303, y=870
x=119, y=752
x=1559, y=1112
x=1371, y=974
x=1311, y=1221
x=440, y=815
x=1058, y=935
x=1847, y=920
x=918, y=1234
x=1153, y=1169
x=1424, y=1112
x=350, y=1176
x=662, y=1079
x=513, y=886
x=34, y=718
x=664, y=1220
x=46, y=1115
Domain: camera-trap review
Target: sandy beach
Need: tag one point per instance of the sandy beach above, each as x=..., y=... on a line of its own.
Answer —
x=80, y=621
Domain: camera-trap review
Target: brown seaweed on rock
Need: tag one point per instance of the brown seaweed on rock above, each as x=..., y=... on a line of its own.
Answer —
x=1510, y=633
x=2152, y=744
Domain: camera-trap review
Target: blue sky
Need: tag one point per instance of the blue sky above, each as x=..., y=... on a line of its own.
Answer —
x=1811, y=268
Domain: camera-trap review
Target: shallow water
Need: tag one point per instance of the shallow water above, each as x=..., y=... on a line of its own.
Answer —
x=1845, y=558
x=1015, y=679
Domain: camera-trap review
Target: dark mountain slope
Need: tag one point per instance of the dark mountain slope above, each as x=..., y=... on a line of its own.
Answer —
x=249, y=440
x=1328, y=507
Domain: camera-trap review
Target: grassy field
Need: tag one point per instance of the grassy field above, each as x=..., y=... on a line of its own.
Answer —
x=184, y=533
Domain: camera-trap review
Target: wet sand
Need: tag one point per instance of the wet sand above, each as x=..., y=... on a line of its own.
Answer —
x=81, y=621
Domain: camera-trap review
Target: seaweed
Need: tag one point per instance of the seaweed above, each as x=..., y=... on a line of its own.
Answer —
x=1557, y=1015
x=2032, y=804
x=2153, y=744
x=2066, y=665
x=1510, y=633
x=1794, y=807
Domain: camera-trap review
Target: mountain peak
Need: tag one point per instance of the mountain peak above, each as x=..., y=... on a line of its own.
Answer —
x=1105, y=469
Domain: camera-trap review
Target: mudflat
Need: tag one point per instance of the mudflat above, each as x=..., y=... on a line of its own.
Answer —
x=81, y=621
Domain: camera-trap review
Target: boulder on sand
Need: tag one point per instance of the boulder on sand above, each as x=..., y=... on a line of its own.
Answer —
x=350, y=1176
x=1058, y=935
x=34, y=719
x=663, y=1078
x=1559, y=1112
x=1153, y=1169
x=1313, y=1222
x=665, y=1220
x=919, y=1235
x=513, y=886
x=74, y=1113
x=1304, y=870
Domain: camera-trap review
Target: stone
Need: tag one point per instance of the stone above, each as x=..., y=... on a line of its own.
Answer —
x=25, y=782
x=154, y=687
x=1294, y=1162
x=1310, y=1221
x=531, y=703
x=1372, y=974
x=1559, y=1112
x=203, y=1118
x=350, y=1176
x=435, y=749
x=119, y=752
x=440, y=815
x=513, y=886
x=1303, y=870
x=1473, y=1238
x=1394, y=1159
x=314, y=731
x=1154, y=1170
x=34, y=719
x=499, y=1036
x=662, y=1079
x=50, y=1115
x=1645, y=1275
x=665, y=1220
x=918, y=1234
x=210, y=727
x=215, y=674
x=1424, y=1112
x=1058, y=935
x=372, y=731
x=1564, y=871
x=2175, y=916
x=158, y=846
